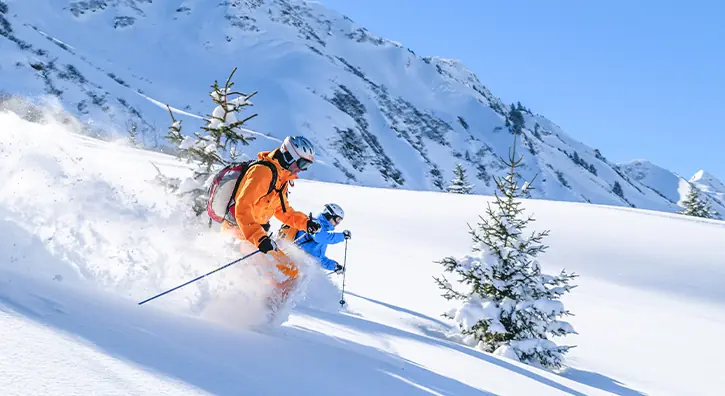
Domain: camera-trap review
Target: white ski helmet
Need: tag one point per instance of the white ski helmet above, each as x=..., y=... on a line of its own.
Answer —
x=334, y=210
x=298, y=149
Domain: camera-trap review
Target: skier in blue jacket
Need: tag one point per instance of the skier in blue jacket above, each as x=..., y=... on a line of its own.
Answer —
x=316, y=244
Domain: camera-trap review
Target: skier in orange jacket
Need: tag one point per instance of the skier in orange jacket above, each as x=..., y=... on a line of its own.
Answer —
x=254, y=206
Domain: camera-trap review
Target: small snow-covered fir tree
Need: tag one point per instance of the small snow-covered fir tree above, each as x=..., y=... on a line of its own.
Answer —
x=459, y=184
x=509, y=306
x=215, y=145
x=695, y=205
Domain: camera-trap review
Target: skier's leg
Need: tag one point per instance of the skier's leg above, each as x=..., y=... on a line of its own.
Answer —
x=288, y=269
x=284, y=280
x=278, y=271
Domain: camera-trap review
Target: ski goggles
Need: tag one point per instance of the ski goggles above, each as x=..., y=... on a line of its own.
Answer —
x=303, y=164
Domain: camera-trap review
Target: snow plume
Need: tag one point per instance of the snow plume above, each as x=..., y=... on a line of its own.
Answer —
x=244, y=303
x=104, y=215
x=44, y=109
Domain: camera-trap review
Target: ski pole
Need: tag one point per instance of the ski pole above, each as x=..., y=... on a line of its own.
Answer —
x=207, y=274
x=344, y=272
x=199, y=277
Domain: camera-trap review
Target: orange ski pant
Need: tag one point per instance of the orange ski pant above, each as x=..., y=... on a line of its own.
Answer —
x=284, y=264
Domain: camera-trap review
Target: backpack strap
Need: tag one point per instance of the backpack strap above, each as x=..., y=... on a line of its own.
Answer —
x=234, y=192
x=272, y=183
x=271, y=167
x=281, y=197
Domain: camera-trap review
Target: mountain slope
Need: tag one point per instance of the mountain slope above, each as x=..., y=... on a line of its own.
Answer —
x=711, y=186
x=380, y=115
x=674, y=187
x=86, y=232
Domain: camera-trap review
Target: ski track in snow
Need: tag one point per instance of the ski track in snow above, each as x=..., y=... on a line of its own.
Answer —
x=86, y=234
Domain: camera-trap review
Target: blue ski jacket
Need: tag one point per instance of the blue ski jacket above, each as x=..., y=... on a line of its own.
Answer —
x=316, y=244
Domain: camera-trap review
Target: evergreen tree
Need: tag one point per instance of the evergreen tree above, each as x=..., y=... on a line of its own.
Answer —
x=132, y=130
x=459, y=184
x=463, y=122
x=517, y=120
x=537, y=134
x=695, y=205
x=215, y=145
x=617, y=189
x=599, y=155
x=508, y=305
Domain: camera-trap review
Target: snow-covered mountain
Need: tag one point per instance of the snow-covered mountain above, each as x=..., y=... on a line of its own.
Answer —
x=710, y=185
x=674, y=187
x=381, y=115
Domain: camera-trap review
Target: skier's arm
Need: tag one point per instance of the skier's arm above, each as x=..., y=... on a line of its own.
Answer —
x=327, y=263
x=252, y=189
x=328, y=238
x=287, y=215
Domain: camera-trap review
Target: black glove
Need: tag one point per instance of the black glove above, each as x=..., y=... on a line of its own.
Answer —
x=313, y=226
x=266, y=244
x=339, y=269
x=347, y=234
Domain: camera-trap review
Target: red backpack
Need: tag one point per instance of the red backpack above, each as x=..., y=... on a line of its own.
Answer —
x=224, y=186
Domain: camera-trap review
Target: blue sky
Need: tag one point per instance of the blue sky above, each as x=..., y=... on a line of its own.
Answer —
x=638, y=79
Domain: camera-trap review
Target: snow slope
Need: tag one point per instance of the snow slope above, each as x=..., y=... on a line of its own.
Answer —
x=380, y=115
x=87, y=233
x=674, y=187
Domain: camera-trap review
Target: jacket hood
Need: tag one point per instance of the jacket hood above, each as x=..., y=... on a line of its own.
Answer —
x=326, y=225
x=281, y=171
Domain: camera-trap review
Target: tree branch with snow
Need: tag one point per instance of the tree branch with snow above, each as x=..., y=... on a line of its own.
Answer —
x=215, y=145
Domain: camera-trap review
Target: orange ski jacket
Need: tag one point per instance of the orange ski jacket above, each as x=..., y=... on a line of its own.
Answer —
x=254, y=207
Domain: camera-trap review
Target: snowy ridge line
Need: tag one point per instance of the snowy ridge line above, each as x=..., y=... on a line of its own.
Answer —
x=372, y=106
x=46, y=35
x=673, y=186
x=166, y=106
